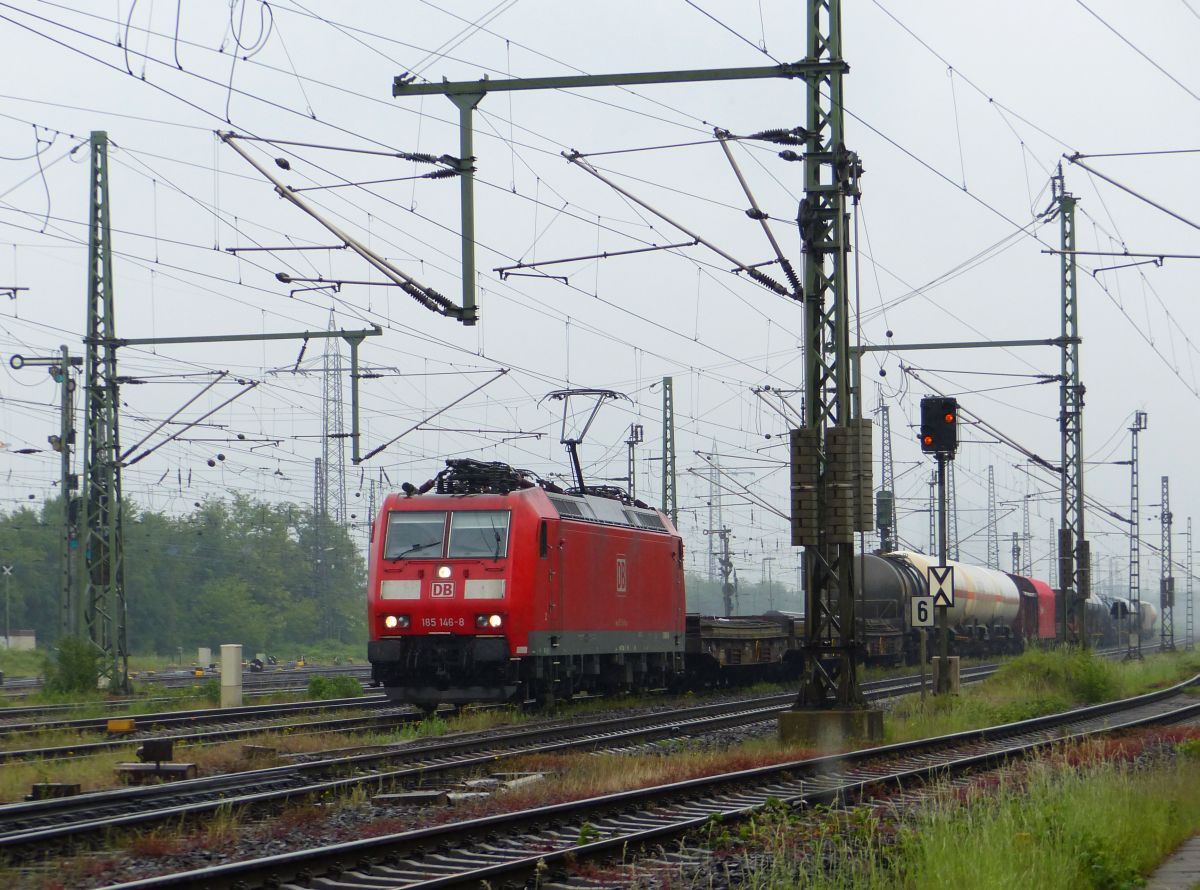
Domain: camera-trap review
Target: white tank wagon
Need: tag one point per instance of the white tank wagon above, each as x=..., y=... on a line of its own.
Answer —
x=983, y=598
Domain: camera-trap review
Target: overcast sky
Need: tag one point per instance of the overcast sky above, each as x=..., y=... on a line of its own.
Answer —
x=959, y=111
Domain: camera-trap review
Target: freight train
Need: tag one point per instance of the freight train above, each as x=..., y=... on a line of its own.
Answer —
x=487, y=584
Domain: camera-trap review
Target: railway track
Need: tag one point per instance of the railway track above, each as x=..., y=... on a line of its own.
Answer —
x=253, y=682
x=28, y=827
x=539, y=844
x=388, y=716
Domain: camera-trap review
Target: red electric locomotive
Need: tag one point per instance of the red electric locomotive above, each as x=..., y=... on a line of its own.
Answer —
x=489, y=585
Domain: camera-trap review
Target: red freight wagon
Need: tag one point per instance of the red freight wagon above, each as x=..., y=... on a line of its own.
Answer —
x=499, y=595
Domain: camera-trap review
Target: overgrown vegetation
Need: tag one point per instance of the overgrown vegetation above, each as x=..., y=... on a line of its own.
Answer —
x=73, y=666
x=1055, y=824
x=334, y=687
x=1038, y=682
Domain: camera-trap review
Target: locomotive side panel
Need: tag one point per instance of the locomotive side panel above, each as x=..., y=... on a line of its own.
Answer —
x=621, y=592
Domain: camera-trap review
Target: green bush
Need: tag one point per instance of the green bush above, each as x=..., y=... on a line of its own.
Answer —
x=1077, y=673
x=72, y=666
x=334, y=687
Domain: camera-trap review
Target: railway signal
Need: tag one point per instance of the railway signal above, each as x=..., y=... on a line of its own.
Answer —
x=939, y=437
x=939, y=425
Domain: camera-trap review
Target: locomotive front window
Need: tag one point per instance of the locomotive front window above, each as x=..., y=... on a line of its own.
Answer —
x=482, y=533
x=414, y=535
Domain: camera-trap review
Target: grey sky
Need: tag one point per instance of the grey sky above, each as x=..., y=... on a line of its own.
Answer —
x=958, y=150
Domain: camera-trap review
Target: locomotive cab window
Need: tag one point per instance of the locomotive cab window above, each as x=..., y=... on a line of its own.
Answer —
x=414, y=535
x=480, y=534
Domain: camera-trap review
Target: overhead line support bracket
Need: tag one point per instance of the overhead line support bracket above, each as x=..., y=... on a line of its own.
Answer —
x=466, y=95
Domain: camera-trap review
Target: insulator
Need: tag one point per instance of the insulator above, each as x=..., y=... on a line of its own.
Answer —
x=795, y=136
x=467, y=476
x=768, y=281
x=417, y=157
x=441, y=174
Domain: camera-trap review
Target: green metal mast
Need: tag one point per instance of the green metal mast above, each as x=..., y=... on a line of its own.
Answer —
x=670, y=504
x=828, y=467
x=1074, y=553
x=885, y=506
x=103, y=551
x=1166, y=584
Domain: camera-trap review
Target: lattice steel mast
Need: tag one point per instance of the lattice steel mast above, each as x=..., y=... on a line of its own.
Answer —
x=670, y=505
x=103, y=553
x=993, y=530
x=1189, y=639
x=952, y=513
x=333, y=431
x=886, y=507
x=714, y=513
x=320, y=542
x=1135, y=541
x=1026, y=536
x=1166, y=595
x=830, y=459
x=1074, y=554
x=933, y=515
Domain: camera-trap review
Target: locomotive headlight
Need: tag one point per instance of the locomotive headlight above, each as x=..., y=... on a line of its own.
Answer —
x=443, y=571
x=492, y=622
x=391, y=622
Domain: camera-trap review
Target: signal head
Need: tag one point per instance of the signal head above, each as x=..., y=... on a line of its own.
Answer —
x=939, y=425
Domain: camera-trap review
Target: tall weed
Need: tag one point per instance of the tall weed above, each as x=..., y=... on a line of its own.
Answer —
x=72, y=666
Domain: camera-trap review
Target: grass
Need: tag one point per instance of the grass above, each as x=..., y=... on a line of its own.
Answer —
x=21, y=663
x=1038, y=682
x=1092, y=817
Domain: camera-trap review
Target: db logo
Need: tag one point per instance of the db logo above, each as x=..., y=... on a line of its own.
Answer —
x=441, y=589
x=622, y=574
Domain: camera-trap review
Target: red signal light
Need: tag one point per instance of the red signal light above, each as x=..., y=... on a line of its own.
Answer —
x=949, y=418
x=927, y=440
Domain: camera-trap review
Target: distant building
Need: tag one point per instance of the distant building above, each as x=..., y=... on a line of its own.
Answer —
x=21, y=639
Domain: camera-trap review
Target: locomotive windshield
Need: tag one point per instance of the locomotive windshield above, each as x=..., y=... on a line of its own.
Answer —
x=414, y=535
x=482, y=533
